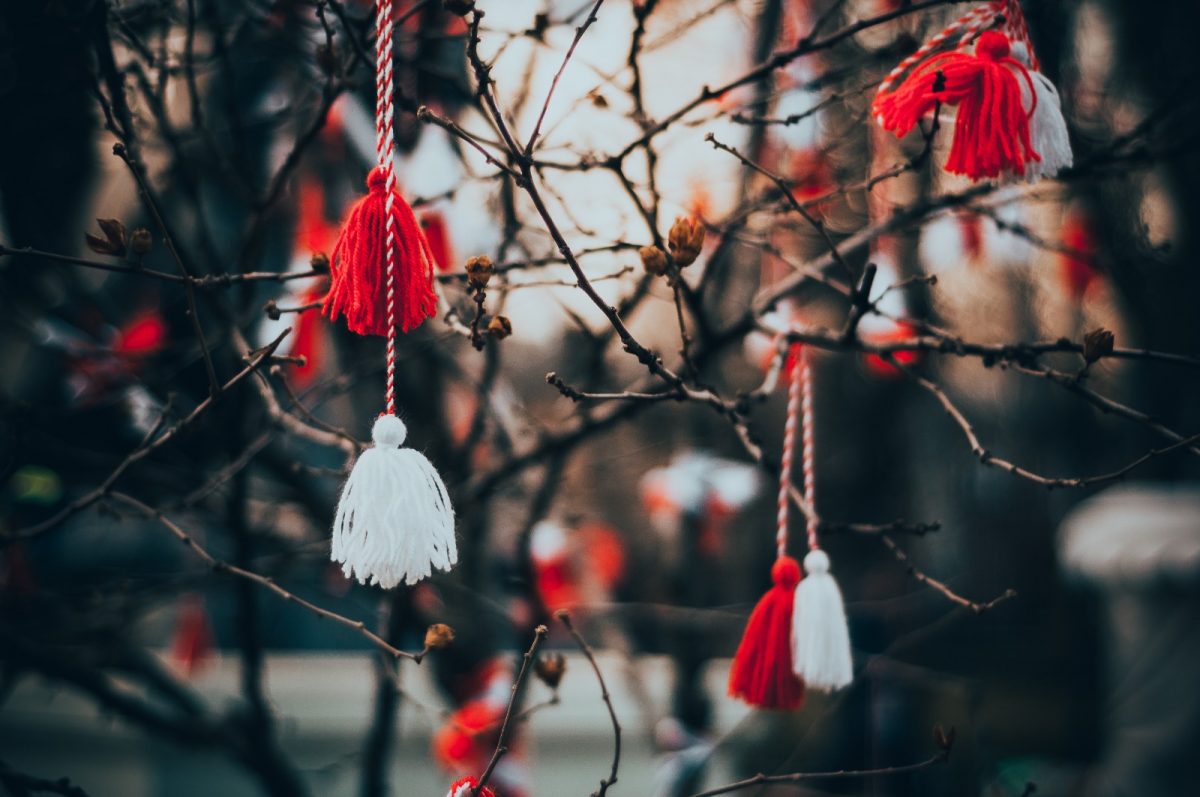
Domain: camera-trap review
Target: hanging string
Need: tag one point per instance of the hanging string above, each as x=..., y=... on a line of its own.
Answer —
x=795, y=354
x=969, y=23
x=808, y=459
x=966, y=27
x=384, y=155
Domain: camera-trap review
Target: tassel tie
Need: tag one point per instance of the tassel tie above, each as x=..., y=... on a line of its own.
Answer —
x=991, y=127
x=361, y=270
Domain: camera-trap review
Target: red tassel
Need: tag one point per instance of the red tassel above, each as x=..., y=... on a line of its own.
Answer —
x=762, y=669
x=991, y=129
x=358, y=288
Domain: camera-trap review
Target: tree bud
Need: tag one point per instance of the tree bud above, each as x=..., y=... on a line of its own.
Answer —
x=1097, y=343
x=479, y=271
x=550, y=669
x=654, y=260
x=686, y=239
x=438, y=635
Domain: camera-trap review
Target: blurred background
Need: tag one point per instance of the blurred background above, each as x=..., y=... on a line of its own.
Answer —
x=131, y=666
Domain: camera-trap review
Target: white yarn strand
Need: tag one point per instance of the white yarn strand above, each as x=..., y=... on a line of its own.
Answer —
x=394, y=520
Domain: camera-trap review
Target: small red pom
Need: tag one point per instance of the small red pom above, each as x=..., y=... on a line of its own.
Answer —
x=465, y=787
x=358, y=289
x=762, y=673
x=991, y=128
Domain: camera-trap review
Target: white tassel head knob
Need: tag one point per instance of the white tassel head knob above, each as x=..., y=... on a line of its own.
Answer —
x=816, y=563
x=389, y=432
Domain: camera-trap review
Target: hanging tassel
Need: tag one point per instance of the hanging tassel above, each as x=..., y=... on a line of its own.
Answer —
x=991, y=127
x=1048, y=130
x=762, y=668
x=465, y=787
x=394, y=520
x=1047, y=126
x=359, y=265
x=762, y=673
x=820, y=638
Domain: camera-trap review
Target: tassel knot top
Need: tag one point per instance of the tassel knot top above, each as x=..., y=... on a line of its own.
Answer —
x=786, y=572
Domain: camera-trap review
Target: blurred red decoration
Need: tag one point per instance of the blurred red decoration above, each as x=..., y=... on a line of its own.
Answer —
x=877, y=365
x=192, y=647
x=1078, y=268
x=434, y=226
x=141, y=336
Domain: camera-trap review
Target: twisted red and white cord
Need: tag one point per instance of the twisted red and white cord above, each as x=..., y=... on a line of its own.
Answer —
x=808, y=458
x=965, y=28
x=384, y=148
x=795, y=387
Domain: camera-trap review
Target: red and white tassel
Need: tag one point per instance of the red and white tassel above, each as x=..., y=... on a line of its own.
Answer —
x=762, y=672
x=394, y=519
x=820, y=636
x=1009, y=116
x=991, y=126
x=465, y=787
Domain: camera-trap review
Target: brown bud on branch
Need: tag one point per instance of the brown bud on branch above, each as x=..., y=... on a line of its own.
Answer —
x=114, y=240
x=140, y=241
x=686, y=239
x=550, y=669
x=499, y=327
x=479, y=271
x=438, y=635
x=654, y=260
x=1097, y=343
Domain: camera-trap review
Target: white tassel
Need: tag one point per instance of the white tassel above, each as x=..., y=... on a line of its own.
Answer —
x=1047, y=128
x=1048, y=131
x=820, y=638
x=394, y=520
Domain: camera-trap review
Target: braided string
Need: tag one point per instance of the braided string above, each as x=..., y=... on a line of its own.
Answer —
x=807, y=433
x=969, y=23
x=789, y=449
x=966, y=28
x=1016, y=28
x=384, y=155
